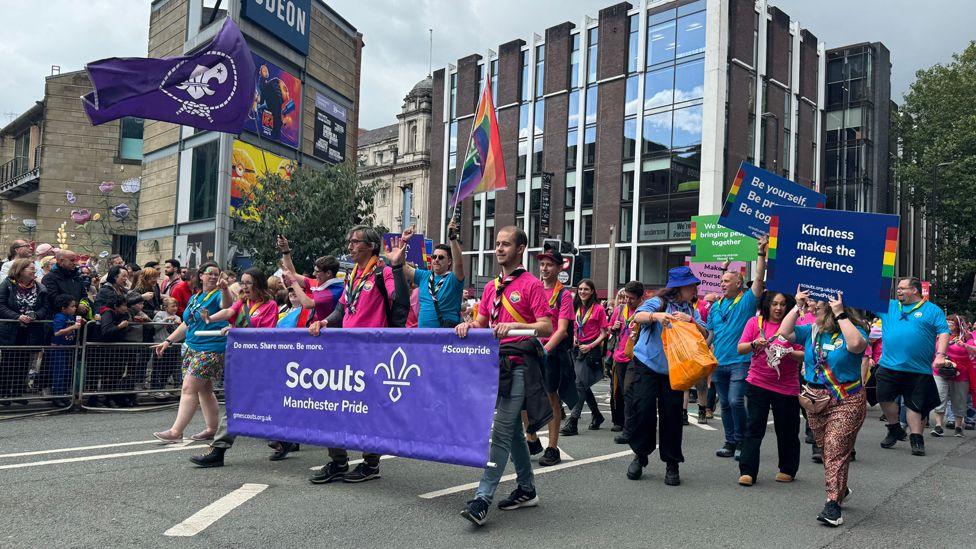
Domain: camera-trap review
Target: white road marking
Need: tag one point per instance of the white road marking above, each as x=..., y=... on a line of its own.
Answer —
x=542, y=471
x=79, y=448
x=562, y=453
x=202, y=519
x=171, y=448
x=694, y=421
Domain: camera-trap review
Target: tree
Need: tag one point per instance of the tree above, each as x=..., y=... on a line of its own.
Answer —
x=313, y=209
x=936, y=170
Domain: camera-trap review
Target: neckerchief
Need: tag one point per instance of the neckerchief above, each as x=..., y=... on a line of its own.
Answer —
x=904, y=315
x=355, y=283
x=196, y=303
x=582, y=320
x=728, y=310
x=436, y=288
x=244, y=321
x=500, y=285
x=555, y=294
x=624, y=318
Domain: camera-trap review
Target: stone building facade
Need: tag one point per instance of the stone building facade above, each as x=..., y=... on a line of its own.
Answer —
x=396, y=158
x=58, y=171
x=187, y=186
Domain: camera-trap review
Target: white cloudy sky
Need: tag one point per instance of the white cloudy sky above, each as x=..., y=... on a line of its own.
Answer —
x=38, y=34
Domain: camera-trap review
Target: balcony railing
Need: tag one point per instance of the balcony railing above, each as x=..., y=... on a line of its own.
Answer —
x=19, y=170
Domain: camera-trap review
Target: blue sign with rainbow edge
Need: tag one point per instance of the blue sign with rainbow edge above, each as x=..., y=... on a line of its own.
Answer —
x=829, y=251
x=754, y=192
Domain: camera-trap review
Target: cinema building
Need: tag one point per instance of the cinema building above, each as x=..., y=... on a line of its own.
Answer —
x=305, y=113
x=641, y=116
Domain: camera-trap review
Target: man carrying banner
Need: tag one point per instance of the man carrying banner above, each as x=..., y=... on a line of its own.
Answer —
x=373, y=298
x=440, y=288
x=726, y=320
x=515, y=300
x=915, y=335
x=559, y=375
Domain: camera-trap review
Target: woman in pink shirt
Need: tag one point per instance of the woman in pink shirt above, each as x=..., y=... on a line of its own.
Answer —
x=954, y=389
x=773, y=383
x=588, y=335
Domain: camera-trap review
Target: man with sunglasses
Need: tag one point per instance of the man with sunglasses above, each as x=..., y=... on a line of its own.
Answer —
x=19, y=249
x=915, y=334
x=441, y=287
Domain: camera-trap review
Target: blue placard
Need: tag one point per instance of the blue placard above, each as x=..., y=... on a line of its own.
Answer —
x=830, y=251
x=754, y=192
x=288, y=20
x=415, y=248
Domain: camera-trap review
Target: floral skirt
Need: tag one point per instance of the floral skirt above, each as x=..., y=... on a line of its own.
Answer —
x=206, y=365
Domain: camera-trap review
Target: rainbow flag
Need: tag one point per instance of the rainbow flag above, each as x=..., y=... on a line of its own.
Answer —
x=483, y=169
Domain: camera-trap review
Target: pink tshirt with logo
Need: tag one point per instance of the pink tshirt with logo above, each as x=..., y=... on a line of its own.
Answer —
x=592, y=326
x=787, y=382
x=559, y=311
x=371, y=306
x=527, y=296
x=264, y=315
x=619, y=354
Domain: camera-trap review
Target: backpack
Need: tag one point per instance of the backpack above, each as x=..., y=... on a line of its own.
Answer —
x=397, y=308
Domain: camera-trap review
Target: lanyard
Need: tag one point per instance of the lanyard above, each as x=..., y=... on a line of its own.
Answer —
x=581, y=321
x=904, y=315
x=555, y=294
x=821, y=357
x=357, y=280
x=198, y=303
x=728, y=310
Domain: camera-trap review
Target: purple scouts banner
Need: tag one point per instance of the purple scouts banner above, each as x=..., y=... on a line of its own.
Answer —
x=420, y=393
x=209, y=90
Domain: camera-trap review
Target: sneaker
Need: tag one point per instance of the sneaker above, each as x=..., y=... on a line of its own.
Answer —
x=726, y=451
x=937, y=431
x=746, y=480
x=895, y=433
x=636, y=468
x=362, y=473
x=831, y=514
x=476, y=511
x=959, y=432
x=282, y=450
x=817, y=455
x=702, y=417
x=738, y=454
x=671, y=477
x=783, y=477
x=596, y=422
x=519, y=498
x=570, y=428
x=918, y=445
x=330, y=472
x=213, y=458
x=550, y=457
x=616, y=428
x=535, y=446
x=168, y=436
x=684, y=417
x=950, y=425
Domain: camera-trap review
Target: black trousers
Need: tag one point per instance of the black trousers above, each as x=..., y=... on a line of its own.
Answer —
x=652, y=405
x=617, y=401
x=786, y=423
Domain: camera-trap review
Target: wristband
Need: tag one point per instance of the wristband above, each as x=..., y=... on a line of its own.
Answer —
x=843, y=316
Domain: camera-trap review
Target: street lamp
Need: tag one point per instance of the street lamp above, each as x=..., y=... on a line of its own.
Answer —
x=766, y=115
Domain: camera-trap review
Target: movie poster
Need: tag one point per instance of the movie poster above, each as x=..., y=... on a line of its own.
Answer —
x=248, y=164
x=277, y=105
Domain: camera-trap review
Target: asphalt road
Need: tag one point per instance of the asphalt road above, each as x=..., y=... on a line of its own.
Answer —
x=58, y=491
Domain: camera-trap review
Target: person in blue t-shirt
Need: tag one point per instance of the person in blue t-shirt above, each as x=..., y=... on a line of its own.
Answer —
x=66, y=327
x=915, y=335
x=726, y=320
x=440, y=287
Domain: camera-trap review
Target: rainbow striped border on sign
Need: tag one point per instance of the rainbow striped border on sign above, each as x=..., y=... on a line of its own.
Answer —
x=694, y=235
x=773, y=237
x=733, y=192
x=891, y=246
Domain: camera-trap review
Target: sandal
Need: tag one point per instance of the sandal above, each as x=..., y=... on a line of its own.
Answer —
x=206, y=434
x=168, y=437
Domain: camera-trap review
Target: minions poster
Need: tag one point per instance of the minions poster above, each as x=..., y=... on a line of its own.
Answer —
x=277, y=104
x=248, y=164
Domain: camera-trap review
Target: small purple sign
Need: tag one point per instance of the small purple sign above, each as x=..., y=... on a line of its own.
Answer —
x=415, y=248
x=418, y=393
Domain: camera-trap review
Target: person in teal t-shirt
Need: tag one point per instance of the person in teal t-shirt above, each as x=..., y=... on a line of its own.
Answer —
x=726, y=320
x=441, y=286
x=915, y=335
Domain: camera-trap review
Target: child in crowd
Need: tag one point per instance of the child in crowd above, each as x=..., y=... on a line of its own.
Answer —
x=66, y=327
x=166, y=321
x=107, y=359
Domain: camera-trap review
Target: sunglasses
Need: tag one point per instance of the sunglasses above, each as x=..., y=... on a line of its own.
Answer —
x=439, y=257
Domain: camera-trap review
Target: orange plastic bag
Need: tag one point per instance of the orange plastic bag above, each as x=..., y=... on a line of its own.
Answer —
x=689, y=358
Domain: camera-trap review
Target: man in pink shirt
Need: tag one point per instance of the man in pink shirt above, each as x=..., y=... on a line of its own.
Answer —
x=558, y=366
x=372, y=298
x=515, y=300
x=633, y=296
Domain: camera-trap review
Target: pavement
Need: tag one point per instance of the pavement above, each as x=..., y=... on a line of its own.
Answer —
x=98, y=479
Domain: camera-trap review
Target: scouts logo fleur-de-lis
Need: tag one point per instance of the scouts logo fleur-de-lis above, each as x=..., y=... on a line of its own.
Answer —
x=397, y=372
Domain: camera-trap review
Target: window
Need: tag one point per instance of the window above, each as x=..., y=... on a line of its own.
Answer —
x=540, y=69
x=627, y=184
x=523, y=151
x=523, y=120
x=524, y=82
x=686, y=172
x=655, y=178
x=623, y=266
x=540, y=116
x=209, y=13
x=653, y=263
x=592, y=98
x=589, y=146
x=570, y=196
x=572, y=120
x=630, y=138
x=574, y=63
x=537, y=155
x=689, y=81
x=453, y=111
x=623, y=233
x=412, y=138
x=490, y=205
x=572, y=139
x=657, y=132
x=203, y=180
x=589, y=180
x=452, y=137
x=631, y=104
x=494, y=81
x=632, y=44
x=660, y=42
x=586, y=228
x=691, y=35
x=653, y=220
x=569, y=225
x=591, y=53
x=687, y=127
x=520, y=186
x=659, y=88
x=130, y=138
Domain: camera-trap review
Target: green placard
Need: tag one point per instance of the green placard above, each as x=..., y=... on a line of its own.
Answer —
x=713, y=242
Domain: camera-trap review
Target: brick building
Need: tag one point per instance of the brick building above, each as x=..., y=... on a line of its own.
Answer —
x=308, y=59
x=57, y=170
x=642, y=116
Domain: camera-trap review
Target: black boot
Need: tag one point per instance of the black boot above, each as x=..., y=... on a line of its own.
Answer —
x=213, y=458
x=636, y=467
x=596, y=421
x=684, y=417
x=895, y=433
x=622, y=438
x=918, y=444
x=671, y=477
x=569, y=428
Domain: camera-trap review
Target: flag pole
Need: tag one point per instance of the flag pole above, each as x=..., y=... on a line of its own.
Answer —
x=455, y=214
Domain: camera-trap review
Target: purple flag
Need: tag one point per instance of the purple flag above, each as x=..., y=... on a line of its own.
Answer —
x=209, y=90
x=420, y=393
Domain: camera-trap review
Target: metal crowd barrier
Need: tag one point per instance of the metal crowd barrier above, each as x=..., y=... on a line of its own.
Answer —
x=36, y=376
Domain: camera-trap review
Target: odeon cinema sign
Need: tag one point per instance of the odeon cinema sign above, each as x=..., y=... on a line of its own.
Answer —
x=286, y=19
